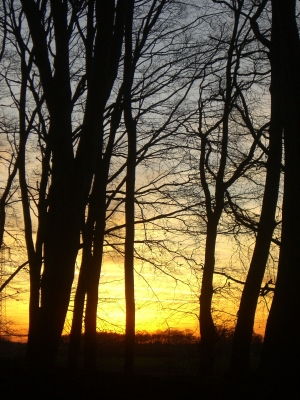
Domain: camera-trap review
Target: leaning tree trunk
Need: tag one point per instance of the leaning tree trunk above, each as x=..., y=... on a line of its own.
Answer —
x=281, y=351
x=93, y=278
x=76, y=328
x=214, y=209
x=93, y=237
x=98, y=218
x=240, y=358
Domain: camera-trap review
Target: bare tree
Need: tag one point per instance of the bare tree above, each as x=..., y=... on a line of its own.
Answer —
x=230, y=138
x=240, y=361
x=71, y=175
x=148, y=75
x=281, y=350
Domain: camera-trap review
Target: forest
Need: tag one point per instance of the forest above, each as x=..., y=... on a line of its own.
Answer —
x=154, y=133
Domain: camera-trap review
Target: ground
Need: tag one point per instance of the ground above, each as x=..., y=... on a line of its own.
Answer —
x=162, y=373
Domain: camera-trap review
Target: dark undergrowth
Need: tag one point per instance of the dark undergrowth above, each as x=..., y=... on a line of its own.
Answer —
x=166, y=367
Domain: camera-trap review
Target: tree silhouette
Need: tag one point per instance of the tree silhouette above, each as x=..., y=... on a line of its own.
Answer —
x=137, y=126
x=280, y=358
x=144, y=38
x=71, y=174
x=243, y=332
x=225, y=116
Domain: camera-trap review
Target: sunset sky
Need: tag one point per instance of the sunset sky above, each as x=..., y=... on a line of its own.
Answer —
x=162, y=302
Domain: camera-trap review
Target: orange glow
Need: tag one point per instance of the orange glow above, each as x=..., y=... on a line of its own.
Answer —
x=161, y=303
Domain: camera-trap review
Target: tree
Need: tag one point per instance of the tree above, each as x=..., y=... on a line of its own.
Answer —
x=240, y=360
x=71, y=174
x=93, y=230
x=93, y=242
x=103, y=90
x=281, y=350
x=130, y=194
x=144, y=81
x=225, y=159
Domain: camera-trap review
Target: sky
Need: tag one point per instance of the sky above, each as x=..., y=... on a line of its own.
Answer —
x=162, y=302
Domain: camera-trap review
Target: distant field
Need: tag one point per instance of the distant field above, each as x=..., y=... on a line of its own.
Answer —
x=159, y=354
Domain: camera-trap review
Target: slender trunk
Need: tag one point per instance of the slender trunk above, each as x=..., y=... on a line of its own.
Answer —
x=97, y=214
x=90, y=333
x=129, y=268
x=34, y=257
x=207, y=326
x=90, y=269
x=214, y=208
x=240, y=358
x=281, y=351
x=34, y=301
x=76, y=328
x=130, y=195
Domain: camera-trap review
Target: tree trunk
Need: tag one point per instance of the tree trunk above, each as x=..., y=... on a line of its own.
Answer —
x=129, y=272
x=90, y=269
x=130, y=195
x=90, y=333
x=214, y=208
x=34, y=255
x=240, y=358
x=76, y=328
x=61, y=246
x=281, y=351
x=207, y=327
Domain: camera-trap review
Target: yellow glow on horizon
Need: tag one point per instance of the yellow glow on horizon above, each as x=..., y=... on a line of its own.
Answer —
x=161, y=303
